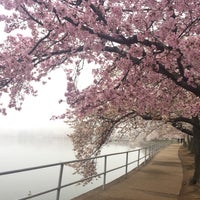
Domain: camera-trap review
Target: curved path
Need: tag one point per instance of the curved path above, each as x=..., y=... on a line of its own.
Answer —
x=159, y=179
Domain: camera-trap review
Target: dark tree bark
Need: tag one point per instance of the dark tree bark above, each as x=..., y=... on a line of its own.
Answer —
x=196, y=145
x=191, y=144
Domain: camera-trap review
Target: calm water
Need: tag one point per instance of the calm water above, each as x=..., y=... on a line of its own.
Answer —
x=23, y=152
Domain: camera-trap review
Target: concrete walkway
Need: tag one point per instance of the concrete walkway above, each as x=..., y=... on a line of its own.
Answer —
x=160, y=179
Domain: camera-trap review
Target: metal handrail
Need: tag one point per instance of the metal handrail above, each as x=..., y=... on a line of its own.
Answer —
x=150, y=151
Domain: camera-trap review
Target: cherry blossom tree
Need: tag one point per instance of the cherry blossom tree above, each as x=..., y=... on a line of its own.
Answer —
x=147, y=53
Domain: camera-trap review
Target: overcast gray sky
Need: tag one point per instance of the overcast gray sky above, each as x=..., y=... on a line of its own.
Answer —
x=37, y=111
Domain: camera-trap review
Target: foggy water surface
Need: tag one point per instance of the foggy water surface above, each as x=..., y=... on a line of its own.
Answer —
x=23, y=152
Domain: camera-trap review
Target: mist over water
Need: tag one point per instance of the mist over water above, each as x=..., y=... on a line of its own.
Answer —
x=29, y=149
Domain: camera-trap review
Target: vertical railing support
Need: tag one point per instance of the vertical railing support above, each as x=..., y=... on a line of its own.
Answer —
x=105, y=169
x=141, y=158
x=59, y=182
x=138, y=161
x=155, y=149
x=145, y=155
x=151, y=152
x=126, y=170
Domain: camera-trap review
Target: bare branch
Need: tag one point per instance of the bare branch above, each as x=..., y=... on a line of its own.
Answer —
x=36, y=45
x=33, y=18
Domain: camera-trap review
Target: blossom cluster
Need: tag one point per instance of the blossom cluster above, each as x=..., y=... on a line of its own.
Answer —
x=147, y=53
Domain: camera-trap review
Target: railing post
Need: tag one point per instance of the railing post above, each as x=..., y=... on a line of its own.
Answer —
x=59, y=181
x=156, y=148
x=145, y=156
x=150, y=152
x=138, y=161
x=150, y=147
x=105, y=169
x=126, y=171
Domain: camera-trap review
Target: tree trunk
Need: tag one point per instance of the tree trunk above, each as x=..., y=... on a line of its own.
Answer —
x=190, y=144
x=185, y=143
x=196, y=145
x=188, y=141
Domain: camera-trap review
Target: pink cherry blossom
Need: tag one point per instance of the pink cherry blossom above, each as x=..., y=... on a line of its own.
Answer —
x=146, y=52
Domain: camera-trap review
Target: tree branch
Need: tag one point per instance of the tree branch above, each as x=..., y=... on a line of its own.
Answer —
x=182, y=119
x=34, y=19
x=98, y=13
x=39, y=41
x=189, y=26
x=183, y=129
x=70, y=20
x=5, y=82
x=174, y=77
